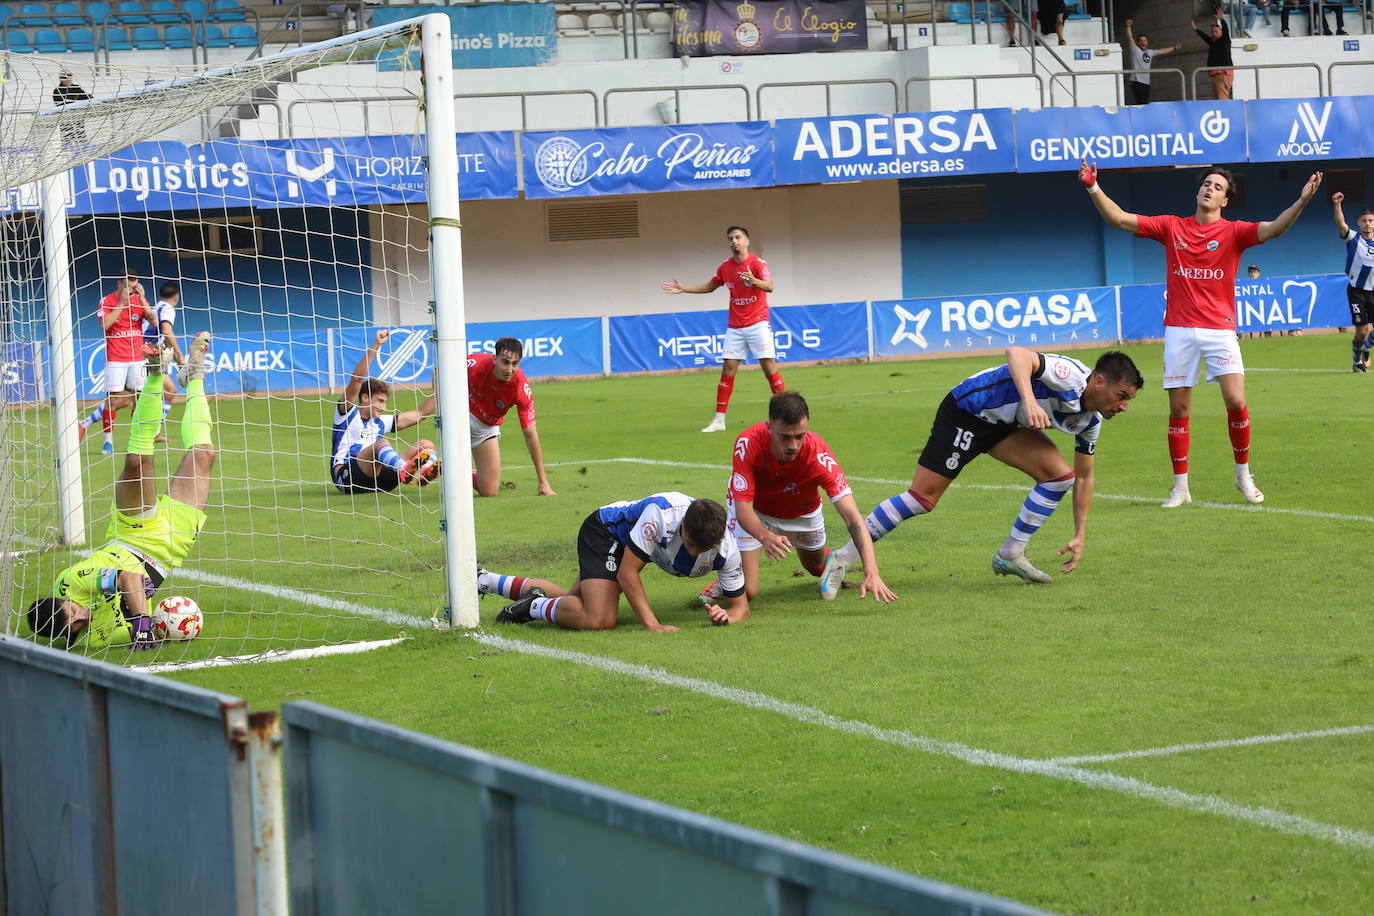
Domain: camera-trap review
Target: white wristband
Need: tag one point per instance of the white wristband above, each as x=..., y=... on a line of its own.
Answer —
x=1094, y=189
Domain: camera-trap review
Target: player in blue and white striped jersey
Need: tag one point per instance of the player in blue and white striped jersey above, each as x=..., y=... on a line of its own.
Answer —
x=1001, y=411
x=361, y=460
x=1359, y=269
x=682, y=536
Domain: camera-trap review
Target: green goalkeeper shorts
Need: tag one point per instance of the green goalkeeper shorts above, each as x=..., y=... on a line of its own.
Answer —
x=167, y=536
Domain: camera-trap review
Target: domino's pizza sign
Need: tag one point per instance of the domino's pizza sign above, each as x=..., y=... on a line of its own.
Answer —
x=903, y=327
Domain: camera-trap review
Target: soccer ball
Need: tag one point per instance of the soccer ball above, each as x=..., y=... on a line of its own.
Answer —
x=177, y=618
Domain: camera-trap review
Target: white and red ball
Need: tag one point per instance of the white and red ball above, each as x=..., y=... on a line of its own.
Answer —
x=177, y=618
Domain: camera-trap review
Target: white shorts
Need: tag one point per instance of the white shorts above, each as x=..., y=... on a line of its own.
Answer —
x=125, y=376
x=481, y=432
x=1183, y=347
x=756, y=339
x=806, y=532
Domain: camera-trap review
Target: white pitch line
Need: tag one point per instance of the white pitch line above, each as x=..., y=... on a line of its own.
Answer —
x=271, y=655
x=1216, y=745
x=302, y=597
x=1204, y=804
x=1116, y=497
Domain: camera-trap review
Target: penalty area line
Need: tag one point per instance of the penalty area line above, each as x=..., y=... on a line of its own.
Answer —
x=271, y=655
x=1251, y=741
x=1280, y=821
x=1116, y=497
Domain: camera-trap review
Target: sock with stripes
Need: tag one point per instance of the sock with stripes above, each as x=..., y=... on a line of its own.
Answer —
x=886, y=516
x=391, y=458
x=1035, y=511
x=545, y=609
x=512, y=587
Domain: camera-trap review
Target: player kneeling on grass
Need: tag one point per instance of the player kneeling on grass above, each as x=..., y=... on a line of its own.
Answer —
x=680, y=535
x=779, y=467
x=361, y=459
x=1001, y=411
x=107, y=597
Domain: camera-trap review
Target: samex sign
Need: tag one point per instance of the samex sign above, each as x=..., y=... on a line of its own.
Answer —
x=631, y=160
x=894, y=146
x=943, y=325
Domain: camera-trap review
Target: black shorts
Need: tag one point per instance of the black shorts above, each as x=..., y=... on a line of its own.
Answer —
x=1361, y=305
x=957, y=437
x=349, y=478
x=599, y=552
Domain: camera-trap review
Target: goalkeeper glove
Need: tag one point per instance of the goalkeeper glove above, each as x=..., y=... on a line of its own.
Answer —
x=141, y=634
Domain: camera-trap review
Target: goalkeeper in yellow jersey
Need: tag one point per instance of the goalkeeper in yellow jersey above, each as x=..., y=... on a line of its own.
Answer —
x=106, y=598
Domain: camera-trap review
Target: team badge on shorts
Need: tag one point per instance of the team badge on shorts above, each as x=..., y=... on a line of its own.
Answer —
x=953, y=461
x=610, y=564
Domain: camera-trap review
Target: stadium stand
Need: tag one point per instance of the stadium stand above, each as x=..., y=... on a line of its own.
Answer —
x=67, y=14
x=131, y=12
x=116, y=39
x=211, y=36
x=17, y=40
x=35, y=14
x=178, y=36
x=80, y=40
x=228, y=11
x=164, y=11
x=146, y=38
x=243, y=35
x=49, y=41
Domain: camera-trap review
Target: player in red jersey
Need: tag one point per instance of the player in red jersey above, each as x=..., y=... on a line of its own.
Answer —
x=750, y=282
x=121, y=319
x=773, y=500
x=495, y=384
x=1203, y=253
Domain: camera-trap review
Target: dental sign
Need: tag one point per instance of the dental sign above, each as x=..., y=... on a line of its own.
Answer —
x=633, y=160
x=898, y=146
x=1167, y=134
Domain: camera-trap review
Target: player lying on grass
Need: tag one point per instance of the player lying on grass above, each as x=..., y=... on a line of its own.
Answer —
x=779, y=466
x=361, y=460
x=680, y=535
x=106, y=598
x=1001, y=411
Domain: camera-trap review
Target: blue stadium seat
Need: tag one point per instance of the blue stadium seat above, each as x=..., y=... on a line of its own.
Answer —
x=98, y=10
x=211, y=36
x=49, y=41
x=81, y=39
x=178, y=36
x=961, y=13
x=35, y=14
x=227, y=11
x=17, y=40
x=131, y=12
x=988, y=12
x=1073, y=10
x=5, y=12
x=163, y=11
x=146, y=38
x=243, y=36
x=67, y=14
x=116, y=39
x=196, y=9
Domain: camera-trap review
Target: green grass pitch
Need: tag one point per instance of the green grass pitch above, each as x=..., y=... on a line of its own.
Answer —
x=954, y=734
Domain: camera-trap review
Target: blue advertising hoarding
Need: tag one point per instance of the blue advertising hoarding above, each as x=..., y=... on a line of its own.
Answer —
x=484, y=35
x=851, y=148
x=908, y=327
x=167, y=175
x=562, y=346
x=19, y=375
x=1302, y=129
x=635, y=160
x=1266, y=304
x=686, y=340
x=1174, y=133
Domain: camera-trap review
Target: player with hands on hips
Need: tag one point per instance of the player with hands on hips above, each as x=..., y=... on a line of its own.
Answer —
x=1202, y=254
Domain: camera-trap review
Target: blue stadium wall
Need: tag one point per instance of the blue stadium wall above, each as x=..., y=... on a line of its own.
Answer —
x=313, y=271
x=1041, y=231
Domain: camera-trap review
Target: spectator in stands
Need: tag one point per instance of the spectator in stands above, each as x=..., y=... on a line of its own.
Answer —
x=1253, y=10
x=1218, y=55
x=1140, y=59
x=1326, y=27
x=65, y=92
x=1051, y=18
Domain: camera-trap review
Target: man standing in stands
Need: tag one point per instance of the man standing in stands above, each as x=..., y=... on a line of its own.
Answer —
x=1141, y=58
x=1218, y=40
x=750, y=282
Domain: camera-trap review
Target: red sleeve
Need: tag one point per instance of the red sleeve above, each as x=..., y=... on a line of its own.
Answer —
x=105, y=305
x=1153, y=227
x=717, y=278
x=524, y=401
x=832, y=475
x=1245, y=235
x=742, y=476
x=761, y=268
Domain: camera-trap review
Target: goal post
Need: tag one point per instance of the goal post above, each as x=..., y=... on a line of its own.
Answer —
x=294, y=268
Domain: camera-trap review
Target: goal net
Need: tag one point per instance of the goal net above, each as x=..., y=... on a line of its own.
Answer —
x=292, y=207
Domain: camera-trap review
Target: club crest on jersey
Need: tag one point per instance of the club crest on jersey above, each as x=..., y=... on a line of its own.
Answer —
x=1213, y=245
x=500, y=404
x=738, y=482
x=650, y=532
x=1061, y=370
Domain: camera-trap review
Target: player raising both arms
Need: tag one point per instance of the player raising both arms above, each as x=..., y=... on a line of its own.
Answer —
x=107, y=597
x=495, y=384
x=750, y=282
x=121, y=319
x=361, y=460
x=1001, y=411
x=682, y=536
x=779, y=466
x=1202, y=252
